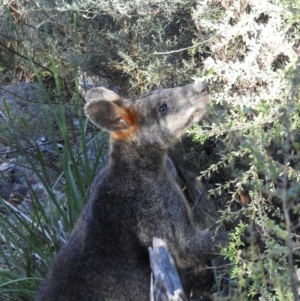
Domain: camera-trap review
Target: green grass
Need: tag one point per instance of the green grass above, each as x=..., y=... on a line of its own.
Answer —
x=28, y=241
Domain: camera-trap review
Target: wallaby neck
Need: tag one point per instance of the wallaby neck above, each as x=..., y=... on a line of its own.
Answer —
x=128, y=155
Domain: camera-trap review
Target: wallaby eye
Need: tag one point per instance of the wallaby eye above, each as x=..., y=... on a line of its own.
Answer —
x=163, y=108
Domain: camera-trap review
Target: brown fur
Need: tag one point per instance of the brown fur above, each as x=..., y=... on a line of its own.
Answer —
x=131, y=117
x=132, y=200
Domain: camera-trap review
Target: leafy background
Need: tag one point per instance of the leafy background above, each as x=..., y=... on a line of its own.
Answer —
x=246, y=150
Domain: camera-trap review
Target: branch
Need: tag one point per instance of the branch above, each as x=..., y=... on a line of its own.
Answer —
x=165, y=281
x=182, y=49
x=24, y=57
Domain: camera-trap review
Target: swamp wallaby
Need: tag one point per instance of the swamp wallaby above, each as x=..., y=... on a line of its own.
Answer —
x=132, y=200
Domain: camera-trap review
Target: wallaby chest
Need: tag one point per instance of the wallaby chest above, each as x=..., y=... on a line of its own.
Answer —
x=136, y=208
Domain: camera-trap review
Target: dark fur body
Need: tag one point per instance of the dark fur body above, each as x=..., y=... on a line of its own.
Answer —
x=134, y=199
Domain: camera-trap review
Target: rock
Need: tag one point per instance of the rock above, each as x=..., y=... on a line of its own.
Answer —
x=17, y=180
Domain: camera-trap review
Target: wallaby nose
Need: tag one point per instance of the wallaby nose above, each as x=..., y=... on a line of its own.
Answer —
x=204, y=89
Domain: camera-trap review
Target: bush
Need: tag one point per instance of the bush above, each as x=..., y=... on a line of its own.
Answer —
x=256, y=135
x=243, y=49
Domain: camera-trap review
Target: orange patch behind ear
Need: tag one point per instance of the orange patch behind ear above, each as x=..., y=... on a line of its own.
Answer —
x=130, y=117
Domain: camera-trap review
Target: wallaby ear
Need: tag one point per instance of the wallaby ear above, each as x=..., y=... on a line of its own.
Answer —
x=107, y=115
x=102, y=111
x=101, y=93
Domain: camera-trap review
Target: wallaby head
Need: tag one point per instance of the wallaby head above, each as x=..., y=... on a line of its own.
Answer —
x=157, y=119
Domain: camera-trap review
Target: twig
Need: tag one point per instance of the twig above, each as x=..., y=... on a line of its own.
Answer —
x=182, y=49
x=21, y=97
x=24, y=57
x=201, y=195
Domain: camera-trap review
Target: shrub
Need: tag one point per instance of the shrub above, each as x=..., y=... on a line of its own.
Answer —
x=243, y=49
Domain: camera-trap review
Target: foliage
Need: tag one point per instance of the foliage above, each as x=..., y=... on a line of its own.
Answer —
x=253, y=270
x=245, y=50
x=252, y=65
